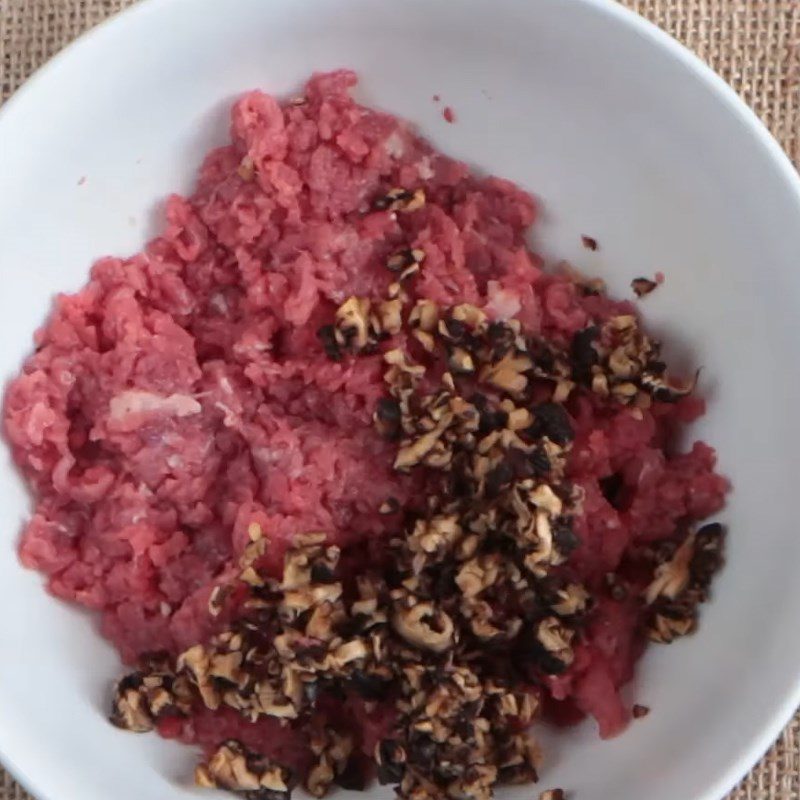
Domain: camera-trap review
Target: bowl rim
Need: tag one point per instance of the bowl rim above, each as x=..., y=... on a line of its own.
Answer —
x=757, y=744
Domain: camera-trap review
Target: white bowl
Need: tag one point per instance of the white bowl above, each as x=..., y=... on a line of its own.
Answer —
x=624, y=135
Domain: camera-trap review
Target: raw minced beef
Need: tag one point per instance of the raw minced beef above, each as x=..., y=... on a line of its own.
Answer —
x=184, y=394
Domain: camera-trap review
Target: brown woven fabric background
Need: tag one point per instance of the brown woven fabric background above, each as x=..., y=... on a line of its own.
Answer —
x=753, y=44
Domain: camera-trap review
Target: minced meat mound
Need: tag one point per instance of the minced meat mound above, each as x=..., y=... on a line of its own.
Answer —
x=185, y=394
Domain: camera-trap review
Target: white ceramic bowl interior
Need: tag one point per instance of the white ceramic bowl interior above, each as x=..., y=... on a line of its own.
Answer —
x=624, y=136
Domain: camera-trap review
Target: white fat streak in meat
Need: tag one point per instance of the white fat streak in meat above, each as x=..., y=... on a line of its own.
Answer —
x=341, y=241
x=291, y=465
x=218, y=302
x=266, y=455
x=503, y=304
x=424, y=169
x=136, y=401
x=394, y=145
x=231, y=418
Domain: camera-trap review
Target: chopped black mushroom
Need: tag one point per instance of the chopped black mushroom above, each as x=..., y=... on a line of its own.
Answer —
x=501, y=337
x=356, y=774
x=508, y=374
x=708, y=556
x=551, y=420
x=540, y=461
x=670, y=622
x=400, y=199
x=663, y=388
x=530, y=651
x=130, y=709
x=322, y=573
x=499, y=478
x=492, y=420
x=589, y=242
x=672, y=577
x=354, y=324
x=403, y=259
x=422, y=752
x=370, y=686
x=425, y=627
x=217, y=599
x=583, y=354
x=453, y=330
x=266, y=794
x=528, y=464
x=390, y=756
x=233, y=767
x=460, y=361
x=643, y=286
x=571, y=601
x=327, y=335
x=388, y=418
x=553, y=794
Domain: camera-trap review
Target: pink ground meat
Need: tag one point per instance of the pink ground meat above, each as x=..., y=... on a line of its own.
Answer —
x=183, y=393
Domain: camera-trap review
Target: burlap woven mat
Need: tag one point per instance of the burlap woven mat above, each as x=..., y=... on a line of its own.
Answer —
x=753, y=44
